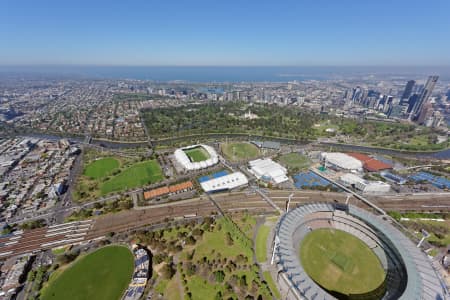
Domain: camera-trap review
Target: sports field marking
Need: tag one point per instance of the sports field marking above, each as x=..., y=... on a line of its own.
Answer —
x=338, y=261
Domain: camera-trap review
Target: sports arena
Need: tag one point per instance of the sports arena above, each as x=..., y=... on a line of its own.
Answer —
x=406, y=271
x=196, y=157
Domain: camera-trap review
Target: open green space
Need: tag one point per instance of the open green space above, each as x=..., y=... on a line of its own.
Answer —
x=161, y=286
x=295, y=161
x=218, y=240
x=439, y=231
x=261, y=243
x=239, y=151
x=58, y=251
x=101, y=167
x=106, y=172
x=271, y=284
x=340, y=262
x=287, y=122
x=197, y=154
x=103, y=274
x=136, y=175
x=214, y=260
x=321, y=127
x=202, y=289
x=228, y=117
x=439, y=239
x=172, y=290
x=401, y=136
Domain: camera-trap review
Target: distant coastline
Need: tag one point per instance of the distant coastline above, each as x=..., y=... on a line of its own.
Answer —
x=222, y=74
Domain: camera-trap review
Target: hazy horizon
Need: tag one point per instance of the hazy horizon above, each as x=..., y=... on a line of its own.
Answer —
x=226, y=73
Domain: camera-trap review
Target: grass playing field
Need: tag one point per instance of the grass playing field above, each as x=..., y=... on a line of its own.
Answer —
x=101, y=167
x=239, y=151
x=340, y=262
x=295, y=160
x=139, y=174
x=101, y=275
x=197, y=154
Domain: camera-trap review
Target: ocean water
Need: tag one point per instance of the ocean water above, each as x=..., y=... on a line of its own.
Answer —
x=222, y=74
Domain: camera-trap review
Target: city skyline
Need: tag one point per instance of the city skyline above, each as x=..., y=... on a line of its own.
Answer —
x=294, y=33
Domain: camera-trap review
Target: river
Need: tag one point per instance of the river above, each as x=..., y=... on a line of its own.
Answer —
x=442, y=154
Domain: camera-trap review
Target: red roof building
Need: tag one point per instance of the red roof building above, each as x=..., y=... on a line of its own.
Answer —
x=187, y=185
x=370, y=164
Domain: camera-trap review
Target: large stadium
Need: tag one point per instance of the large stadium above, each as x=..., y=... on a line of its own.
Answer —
x=337, y=251
x=196, y=157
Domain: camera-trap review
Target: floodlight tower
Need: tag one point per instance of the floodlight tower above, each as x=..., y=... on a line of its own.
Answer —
x=289, y=202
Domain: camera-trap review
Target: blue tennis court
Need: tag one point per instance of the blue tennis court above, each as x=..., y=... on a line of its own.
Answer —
x=437, y=181
x=392, y=177
x=306, y=179
x=213, y=176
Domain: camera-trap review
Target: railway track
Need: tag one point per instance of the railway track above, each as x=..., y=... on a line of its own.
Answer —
x=68, y=233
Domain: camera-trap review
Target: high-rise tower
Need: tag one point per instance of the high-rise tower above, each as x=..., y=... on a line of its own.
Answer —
x=423, y=97
x=408, y=91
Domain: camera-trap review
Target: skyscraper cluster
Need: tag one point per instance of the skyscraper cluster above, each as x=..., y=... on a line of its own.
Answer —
x=412, y=104
x=418, y=106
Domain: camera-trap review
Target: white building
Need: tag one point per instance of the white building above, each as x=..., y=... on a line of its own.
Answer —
x=187, y=164
x=365, y=186
x=341, y=161
x=268, y=170
x=227, y=182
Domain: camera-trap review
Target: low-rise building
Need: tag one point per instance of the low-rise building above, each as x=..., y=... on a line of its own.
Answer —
x=341, y=161
x=365, y=186
x=224, y=183
x=268, y=170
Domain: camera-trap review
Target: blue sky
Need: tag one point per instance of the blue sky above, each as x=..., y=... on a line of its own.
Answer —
x=227, y=32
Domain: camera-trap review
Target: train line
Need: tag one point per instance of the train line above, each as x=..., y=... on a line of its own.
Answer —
x=29, y=241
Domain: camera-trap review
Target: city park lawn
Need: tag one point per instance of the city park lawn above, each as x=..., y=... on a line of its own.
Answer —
x=261, y=243
x=197, y=154
x=239, y=151
x=101, y=167
x=340, y=262
x=102, y=274
x=136, y=175
x=172, y=290
x=213, y=241
x=225, y=247
x=271, y=284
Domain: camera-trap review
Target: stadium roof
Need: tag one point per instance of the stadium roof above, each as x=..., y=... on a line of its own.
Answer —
x=226, y=182
x=184, y=160
x=369, y=163
x=342, y=160
x=422, y=280
x=268, y=169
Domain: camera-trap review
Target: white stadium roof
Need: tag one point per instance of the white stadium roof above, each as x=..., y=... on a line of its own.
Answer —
x=341, y=160
x=187, y=164
x=226, y=182
x=352, y=179
x=267, y=168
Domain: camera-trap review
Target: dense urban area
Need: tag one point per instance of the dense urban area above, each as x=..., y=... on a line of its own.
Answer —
x=182, y=190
